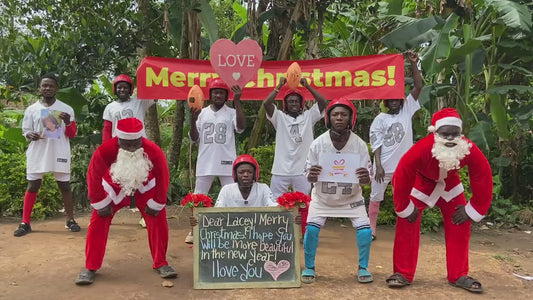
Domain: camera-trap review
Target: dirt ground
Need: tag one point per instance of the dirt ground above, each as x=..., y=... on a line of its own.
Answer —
x=45, y=263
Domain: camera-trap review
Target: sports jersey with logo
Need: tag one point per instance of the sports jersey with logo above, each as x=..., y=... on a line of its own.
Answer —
x=133, y=108
x=293, y=138
x=337, y=199
x=394, y=134
x=216, y=149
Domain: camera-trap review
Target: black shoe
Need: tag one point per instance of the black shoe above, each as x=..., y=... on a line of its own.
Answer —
x=22, y=230
x=86, y=277
x=72, y=226
x=166, y=271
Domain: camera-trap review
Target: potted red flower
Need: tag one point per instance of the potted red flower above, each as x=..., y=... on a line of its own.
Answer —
x=196, y=200
x=290, y=200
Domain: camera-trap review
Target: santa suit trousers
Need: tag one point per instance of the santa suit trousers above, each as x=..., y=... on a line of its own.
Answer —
x=98, y=231
x=457, y=237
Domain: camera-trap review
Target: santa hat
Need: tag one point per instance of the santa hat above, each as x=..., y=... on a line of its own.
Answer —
x=445, y=116
x=130, y=129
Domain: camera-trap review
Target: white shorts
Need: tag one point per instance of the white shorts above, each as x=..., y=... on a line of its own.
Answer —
x=280, y=184
x=356, y=222
x=57, y=175
x=203, y=183
x=378, y=189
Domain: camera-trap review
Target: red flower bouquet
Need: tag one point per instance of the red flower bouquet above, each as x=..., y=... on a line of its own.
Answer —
x=298, y=199
x=196, y=200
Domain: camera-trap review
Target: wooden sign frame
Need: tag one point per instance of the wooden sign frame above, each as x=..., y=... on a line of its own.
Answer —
x=292, y=282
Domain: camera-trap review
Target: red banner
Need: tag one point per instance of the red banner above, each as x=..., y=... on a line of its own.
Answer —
x=357, y=77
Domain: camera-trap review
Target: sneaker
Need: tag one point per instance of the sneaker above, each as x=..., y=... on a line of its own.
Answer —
x=166, y=271
x=72, y=226
x=189, y=239
x=86, y=277
x=22, y=230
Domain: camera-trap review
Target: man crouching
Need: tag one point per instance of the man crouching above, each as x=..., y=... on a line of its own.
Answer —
x=124, y=166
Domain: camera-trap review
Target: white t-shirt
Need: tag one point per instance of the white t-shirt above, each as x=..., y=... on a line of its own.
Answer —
x=293, y=138
x=394, y=134
x=260, y=196
x=52, y=153
x=216, y=149
x=133, y=108
x=336, y=199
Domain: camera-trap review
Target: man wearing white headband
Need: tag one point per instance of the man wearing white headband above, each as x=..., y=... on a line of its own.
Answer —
x=427, y=175
x=123, y=166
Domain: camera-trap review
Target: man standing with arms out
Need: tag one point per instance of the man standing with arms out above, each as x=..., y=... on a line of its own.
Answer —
x=124, y=107
x=48, y=154
x=391, y=135
x=294, y=135
x=213, y=128
x=127, y=165
x=427, y=175
x=338, y=199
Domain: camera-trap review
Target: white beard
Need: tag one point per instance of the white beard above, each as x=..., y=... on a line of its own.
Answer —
x=130, y=170
x=450, y=157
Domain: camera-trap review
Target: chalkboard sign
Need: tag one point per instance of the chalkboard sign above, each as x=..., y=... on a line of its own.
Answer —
x=254, y=247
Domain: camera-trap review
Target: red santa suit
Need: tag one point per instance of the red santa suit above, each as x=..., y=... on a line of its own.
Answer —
x=419, y=182
x=103, y=191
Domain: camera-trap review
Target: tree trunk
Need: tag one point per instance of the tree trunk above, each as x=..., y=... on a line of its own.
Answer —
x=151, y=120
x=190, y=36
x=279, y=45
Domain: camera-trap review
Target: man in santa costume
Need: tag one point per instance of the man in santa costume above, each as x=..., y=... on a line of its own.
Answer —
x=127, y=165
x=427, y=175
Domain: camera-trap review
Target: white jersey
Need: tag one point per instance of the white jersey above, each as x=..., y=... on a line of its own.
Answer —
x=293, y=138
x=260, y=196
x=216, y=149
x=337, y=199
x=52, y=152
x=394, y=134
x=133, y=108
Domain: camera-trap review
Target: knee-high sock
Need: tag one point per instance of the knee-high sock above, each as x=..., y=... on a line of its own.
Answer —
x=364, y=239
x=29, y=201
x=373, y=212
x=311, y=244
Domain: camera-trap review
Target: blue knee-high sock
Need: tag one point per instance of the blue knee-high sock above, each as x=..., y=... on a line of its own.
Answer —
x=364, y=239
x=310, y=244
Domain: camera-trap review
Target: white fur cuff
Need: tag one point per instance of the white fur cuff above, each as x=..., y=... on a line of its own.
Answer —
x=472, y=213
x=154, y=205
x=407, y=211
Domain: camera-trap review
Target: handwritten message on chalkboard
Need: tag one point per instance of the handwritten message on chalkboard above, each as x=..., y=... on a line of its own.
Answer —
x=246, y=248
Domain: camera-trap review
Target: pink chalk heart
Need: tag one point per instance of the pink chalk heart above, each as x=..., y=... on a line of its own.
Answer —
x=236, y=64
x=277, y=269
x=339, y=162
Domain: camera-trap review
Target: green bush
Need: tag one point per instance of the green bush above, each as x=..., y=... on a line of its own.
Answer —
x=13, y=182
x=265, y=157
x=81, y=156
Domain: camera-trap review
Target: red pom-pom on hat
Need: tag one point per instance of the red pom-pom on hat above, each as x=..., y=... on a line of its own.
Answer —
x=445, y=116
x=130, y=129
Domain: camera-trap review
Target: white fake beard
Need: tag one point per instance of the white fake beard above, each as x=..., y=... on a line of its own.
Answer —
x=450, y=157
x=130, y=169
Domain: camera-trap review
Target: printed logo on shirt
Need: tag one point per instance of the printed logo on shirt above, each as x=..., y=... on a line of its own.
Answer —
x=226, y=162
x=62, y=160
x=356, y=204
x=395, y=134
x=294, y=132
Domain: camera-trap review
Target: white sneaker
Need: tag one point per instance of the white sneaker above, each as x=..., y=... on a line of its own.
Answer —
x=189, y=239
x=142, y=223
